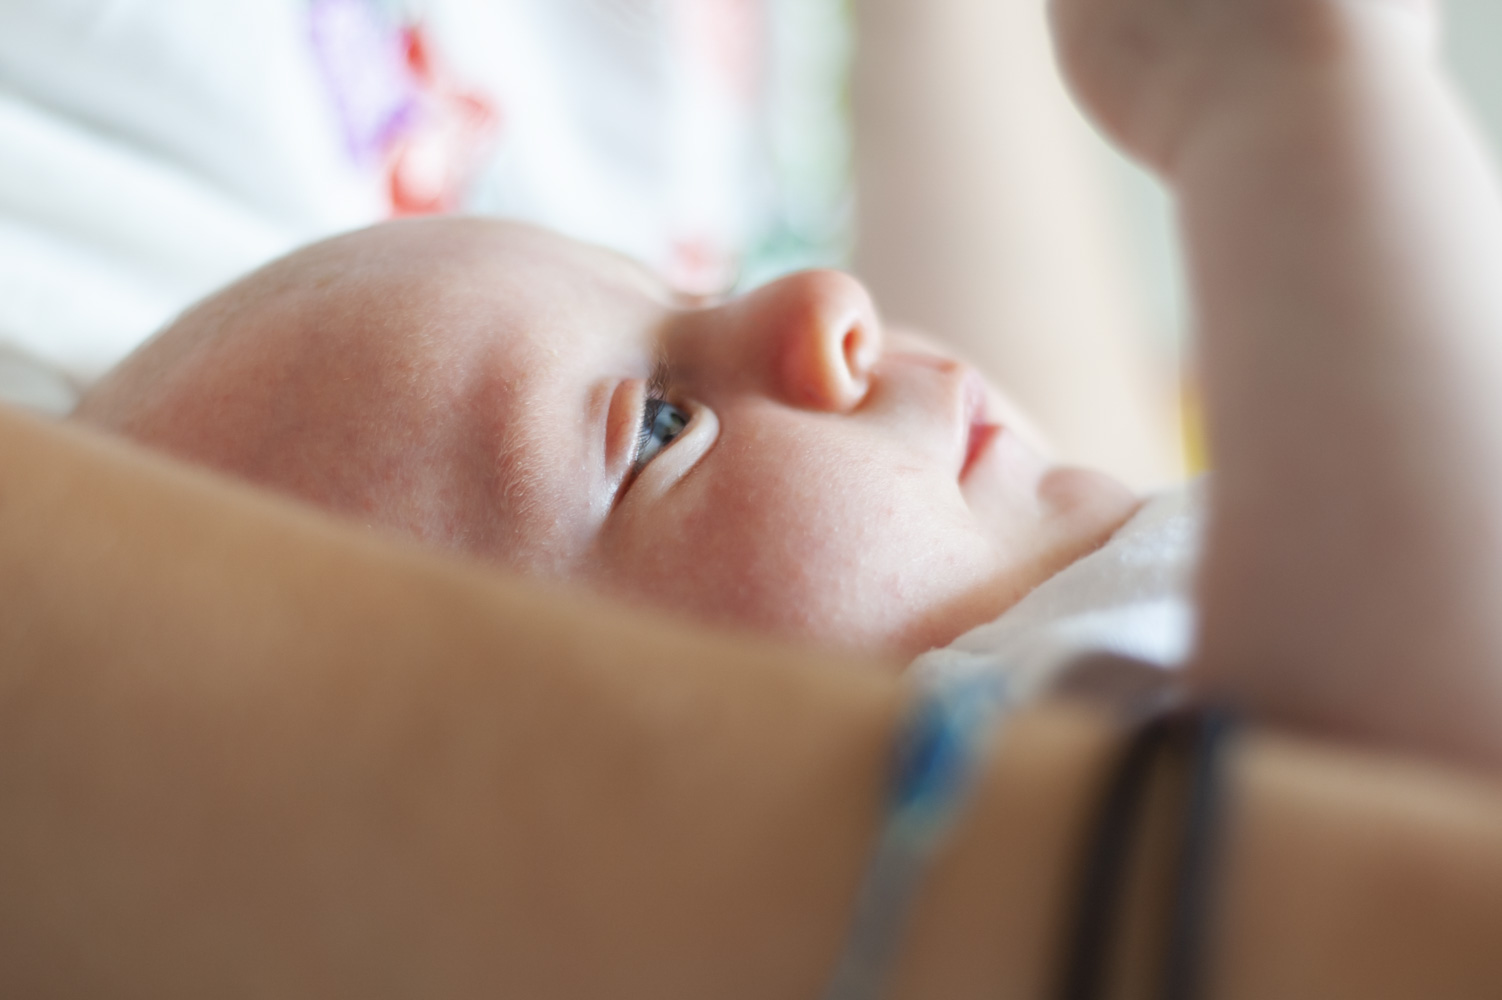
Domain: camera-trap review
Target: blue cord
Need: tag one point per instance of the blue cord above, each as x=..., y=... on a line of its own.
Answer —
x=951, y=720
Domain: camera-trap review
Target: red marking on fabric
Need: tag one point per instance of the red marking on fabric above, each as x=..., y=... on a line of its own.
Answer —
x=434, y=162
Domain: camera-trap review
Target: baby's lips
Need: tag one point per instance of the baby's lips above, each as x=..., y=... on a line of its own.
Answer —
x=979, y=431
x=981, y=436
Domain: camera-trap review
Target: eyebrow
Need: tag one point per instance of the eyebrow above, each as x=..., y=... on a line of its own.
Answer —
x=519, y=481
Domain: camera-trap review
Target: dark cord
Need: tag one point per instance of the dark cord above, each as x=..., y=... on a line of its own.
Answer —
x=1200, y=734
x=1194, y=903
x=1097, y=908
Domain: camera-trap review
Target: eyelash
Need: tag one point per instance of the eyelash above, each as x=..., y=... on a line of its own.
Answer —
x=652, y=409
x=657, y=382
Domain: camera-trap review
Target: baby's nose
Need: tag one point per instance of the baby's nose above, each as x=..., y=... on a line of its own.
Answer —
x=823, y=337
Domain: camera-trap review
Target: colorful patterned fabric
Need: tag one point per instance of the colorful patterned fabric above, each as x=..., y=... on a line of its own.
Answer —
x=157, y=151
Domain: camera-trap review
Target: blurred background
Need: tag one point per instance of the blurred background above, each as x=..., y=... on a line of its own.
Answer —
x=991, y=212
x=153, y=150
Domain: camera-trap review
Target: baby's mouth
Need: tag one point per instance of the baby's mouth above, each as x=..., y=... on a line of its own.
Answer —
x=981, y=432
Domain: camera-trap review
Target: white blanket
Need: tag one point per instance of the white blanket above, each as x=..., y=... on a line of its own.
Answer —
x=1131, y=598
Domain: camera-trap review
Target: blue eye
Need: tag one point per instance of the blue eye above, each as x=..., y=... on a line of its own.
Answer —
x=661, y=422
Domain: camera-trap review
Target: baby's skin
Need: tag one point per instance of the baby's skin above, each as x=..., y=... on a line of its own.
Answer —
x=781, y=463
x=1343, y=231
x=776, y=462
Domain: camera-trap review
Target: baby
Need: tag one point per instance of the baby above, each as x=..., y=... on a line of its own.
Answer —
x=776, y=461
x=780, y=462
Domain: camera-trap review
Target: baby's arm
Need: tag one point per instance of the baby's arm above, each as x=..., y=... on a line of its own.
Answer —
x=1344, y=234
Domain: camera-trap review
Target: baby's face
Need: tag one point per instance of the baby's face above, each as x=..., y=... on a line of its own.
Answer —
x=773, y=461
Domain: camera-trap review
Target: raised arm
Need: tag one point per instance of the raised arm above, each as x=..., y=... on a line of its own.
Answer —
x=984, y=220
x=1344, y=235
x=244, y=749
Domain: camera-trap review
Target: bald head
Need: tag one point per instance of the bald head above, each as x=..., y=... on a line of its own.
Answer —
x=352, y=374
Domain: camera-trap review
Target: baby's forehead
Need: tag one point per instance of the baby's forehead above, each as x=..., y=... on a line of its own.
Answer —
x=447, y=290
x=516, y=338
x=464, y=248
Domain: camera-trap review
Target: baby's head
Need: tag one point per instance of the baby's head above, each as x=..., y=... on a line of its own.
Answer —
x=774, y=461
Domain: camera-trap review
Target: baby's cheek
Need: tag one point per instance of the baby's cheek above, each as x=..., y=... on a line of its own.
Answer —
x=835, y=564
x=733, y=562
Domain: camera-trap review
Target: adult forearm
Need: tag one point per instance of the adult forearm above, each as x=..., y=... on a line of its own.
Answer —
x=1355, y=876
x=1340, y=875
x=245, y=750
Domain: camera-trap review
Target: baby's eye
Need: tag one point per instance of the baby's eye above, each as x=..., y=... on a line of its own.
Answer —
x=661, y=422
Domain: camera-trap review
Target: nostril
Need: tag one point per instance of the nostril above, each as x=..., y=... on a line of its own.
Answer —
x=859, y=349
x=852, y=348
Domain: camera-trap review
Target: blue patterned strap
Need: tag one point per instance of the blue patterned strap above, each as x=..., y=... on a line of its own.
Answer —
x=951, y=720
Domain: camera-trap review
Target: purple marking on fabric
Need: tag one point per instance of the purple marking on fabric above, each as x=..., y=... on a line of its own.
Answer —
x=364, y=63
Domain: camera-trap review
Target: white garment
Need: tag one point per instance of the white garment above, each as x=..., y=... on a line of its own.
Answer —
x=152, y=152
x=1130, y=598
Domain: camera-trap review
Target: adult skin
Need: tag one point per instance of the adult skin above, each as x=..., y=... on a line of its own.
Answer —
x=247, y=751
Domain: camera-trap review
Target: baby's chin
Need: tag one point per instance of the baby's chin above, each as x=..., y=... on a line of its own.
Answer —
x=1087, y=509
x=1098, y=501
